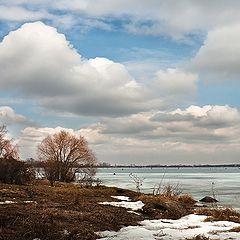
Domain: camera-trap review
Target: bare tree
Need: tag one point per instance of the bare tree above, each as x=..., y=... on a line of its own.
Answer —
x=12, y=170
x=63, y=154
x=7, y=149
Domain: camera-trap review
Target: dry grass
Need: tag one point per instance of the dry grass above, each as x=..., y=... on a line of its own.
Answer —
x=167, y=205
x=168, y=196
x=219, y=214
x=68, y=211
x=61, y=212
x=186, y=199
x=159, y=198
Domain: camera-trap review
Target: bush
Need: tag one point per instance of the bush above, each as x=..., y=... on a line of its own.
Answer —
x=13, y=171
x=186, y=198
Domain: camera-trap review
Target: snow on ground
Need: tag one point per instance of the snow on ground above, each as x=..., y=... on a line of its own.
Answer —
x=166, y=229
x=131, y=205
x=7, y=202
x=122, y=198
x=126, y=203
x=11, y=202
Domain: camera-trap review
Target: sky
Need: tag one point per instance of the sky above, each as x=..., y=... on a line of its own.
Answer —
x=145, y=82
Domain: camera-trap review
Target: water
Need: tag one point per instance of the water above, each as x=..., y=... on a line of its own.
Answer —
x=221, y=182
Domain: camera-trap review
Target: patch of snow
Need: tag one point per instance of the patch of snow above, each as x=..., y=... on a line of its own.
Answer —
x=29, y=201
x=10, y=202
x=7, y=202
x=122, y=198
x=132, y=233
x=167, y=229
x=131, y=205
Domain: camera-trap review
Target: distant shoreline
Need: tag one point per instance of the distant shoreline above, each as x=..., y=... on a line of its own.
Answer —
x=172, y=166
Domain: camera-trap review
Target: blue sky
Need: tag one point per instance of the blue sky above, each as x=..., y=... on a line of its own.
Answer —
x=156, y=81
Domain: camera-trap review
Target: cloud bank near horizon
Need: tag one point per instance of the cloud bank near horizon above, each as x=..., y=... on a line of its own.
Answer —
x=195, y=135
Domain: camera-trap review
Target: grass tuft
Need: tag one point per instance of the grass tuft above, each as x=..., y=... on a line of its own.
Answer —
x=169, y=206
x=219, y=214
x=186, y=198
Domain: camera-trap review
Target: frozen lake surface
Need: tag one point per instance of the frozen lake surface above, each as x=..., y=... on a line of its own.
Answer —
x=224, y=182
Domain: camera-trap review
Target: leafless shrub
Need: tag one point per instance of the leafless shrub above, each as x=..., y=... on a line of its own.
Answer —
x=137, y=180
x=15, y=172
x=157, y=189
x=62, y=153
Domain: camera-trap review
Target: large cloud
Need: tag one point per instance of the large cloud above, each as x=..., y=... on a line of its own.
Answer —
x=219, y=57
x=38, y=62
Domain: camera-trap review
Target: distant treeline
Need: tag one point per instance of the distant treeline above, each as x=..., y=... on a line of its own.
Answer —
x=39, y=164
x=170, y=166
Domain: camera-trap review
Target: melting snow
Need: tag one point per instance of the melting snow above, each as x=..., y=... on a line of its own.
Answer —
x=122, y=198
x=7, y=202
x=186, y=227
x=125, y=203
x=10, y=202
x=132, y=205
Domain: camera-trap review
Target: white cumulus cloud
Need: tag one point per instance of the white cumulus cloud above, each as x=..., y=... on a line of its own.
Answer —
x=48, y=68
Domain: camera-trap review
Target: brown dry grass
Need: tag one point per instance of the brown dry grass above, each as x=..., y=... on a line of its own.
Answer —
x=62, y=212
x=167, y=205
x=219, y=214
x=186, y=199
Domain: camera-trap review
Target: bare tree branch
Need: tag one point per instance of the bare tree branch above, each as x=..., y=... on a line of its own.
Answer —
x=7, y=149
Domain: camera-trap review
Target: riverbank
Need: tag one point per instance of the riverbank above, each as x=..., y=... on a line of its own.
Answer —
x=68, y=211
